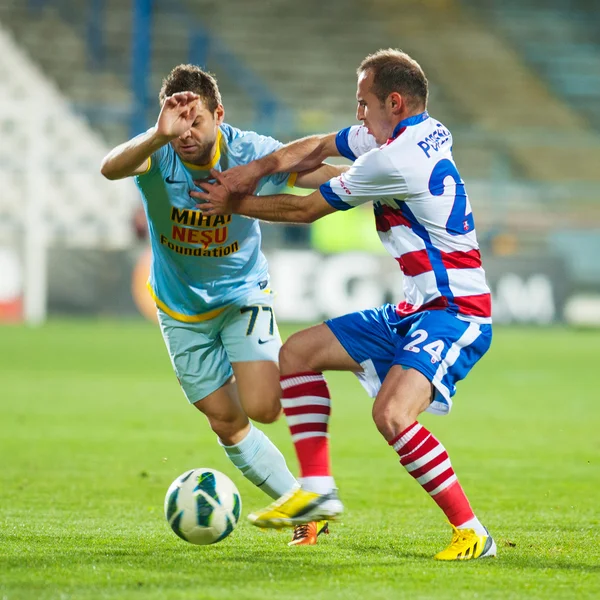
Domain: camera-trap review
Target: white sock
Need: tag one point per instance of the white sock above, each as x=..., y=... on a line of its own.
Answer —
x=261, y=463
x=475, y=525
x=318, y=484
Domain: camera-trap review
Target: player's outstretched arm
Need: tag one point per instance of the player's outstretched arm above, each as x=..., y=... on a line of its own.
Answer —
x=316, y=177
x=302, y=156
x=131, y=158
x=177, y=115
x=216, y=199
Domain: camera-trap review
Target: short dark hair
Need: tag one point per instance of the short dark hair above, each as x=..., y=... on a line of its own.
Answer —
x=191, y=78
x=395, y=71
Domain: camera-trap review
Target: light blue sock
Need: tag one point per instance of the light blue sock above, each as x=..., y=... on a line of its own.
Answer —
x=261, y=463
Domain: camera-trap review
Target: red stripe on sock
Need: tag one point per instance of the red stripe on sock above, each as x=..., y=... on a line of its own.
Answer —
x=427, y=446
x=455, y=505
x=308, y=409
x=434, y=462
x=414, y=442
x=431, y=485
x=312, y=451
x=304, y=427
x=315, y=457
x=452, y=500
x=403, y=433
x=311, y=388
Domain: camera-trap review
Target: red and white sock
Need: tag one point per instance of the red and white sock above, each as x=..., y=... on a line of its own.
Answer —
x=307, y=406
x=424, y=457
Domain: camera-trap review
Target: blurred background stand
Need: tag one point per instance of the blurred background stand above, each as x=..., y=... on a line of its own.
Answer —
x=517, y=83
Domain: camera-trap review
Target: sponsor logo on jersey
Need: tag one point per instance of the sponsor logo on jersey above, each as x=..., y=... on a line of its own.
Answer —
x=218, y=252
x=200, y=236
x=196, y=218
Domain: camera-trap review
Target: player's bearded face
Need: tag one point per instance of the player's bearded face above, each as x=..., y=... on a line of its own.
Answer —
x=374, y=114
x=197, y=144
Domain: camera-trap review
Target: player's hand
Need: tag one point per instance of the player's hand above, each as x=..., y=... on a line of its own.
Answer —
x=242, y=179
x=216, y=198
x=177, y=114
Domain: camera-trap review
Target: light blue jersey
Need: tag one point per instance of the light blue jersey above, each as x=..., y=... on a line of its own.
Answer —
x=201, y=264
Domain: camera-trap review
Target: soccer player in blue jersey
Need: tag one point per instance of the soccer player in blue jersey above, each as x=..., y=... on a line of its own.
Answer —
x=209, y=278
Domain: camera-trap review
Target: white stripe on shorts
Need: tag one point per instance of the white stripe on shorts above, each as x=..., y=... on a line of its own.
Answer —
x=472, y=332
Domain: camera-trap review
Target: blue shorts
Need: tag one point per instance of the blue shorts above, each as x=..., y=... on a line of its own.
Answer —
x=436, y=342
x=202, y=353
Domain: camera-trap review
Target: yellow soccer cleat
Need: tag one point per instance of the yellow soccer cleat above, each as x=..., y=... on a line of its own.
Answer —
x=298, y=507
x=307, y=534
x=466, y=545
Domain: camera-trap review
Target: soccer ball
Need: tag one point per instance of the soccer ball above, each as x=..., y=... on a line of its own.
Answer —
x=203, y=506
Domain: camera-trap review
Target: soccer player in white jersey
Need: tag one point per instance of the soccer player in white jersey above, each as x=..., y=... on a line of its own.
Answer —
x=408, y=356
x=209, y=277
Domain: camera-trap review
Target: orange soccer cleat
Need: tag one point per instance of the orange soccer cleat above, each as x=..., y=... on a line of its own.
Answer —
x=307, y=534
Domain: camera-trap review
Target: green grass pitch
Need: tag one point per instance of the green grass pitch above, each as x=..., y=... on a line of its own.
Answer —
x=93, y=429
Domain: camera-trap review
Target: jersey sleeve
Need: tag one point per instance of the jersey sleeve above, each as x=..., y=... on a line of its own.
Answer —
x=160, y=161
x=255, y=146
x=354, y=141
x=370, y=178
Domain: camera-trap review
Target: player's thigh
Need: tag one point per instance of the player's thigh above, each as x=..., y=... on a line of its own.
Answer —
x=403, y=396
x=368, y=339
x=315, y=349
x=197, y=354
x=249, y=331
x=251, y=340
x=224, y=412
x=259, y=390
x=443, y=348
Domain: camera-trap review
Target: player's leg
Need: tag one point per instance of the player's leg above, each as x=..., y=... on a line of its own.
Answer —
x=259, y=389
x=251, y=340
x=206, y=377
x=260, y=392
x=341, y=344
x=224, y=414
x=246, y=446
x=436, y=351
x=306, y=400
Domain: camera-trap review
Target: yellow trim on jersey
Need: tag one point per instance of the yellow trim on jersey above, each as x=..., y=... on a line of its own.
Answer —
x=181, y=317
x=291, y=182
x=213, y=162
x=147, y=168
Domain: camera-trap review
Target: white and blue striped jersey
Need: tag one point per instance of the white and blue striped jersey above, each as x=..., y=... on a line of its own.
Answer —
x=422, y=214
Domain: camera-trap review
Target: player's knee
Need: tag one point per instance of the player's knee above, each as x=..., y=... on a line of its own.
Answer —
x=391, y=419
x=292, y=356
x=268, y=413
x=228, y=430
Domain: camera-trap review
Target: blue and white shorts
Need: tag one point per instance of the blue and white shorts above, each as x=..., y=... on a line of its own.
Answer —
x=436, y=342
x=202, y=353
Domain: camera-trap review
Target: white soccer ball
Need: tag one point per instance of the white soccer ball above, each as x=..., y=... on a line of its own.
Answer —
x=203, y=506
